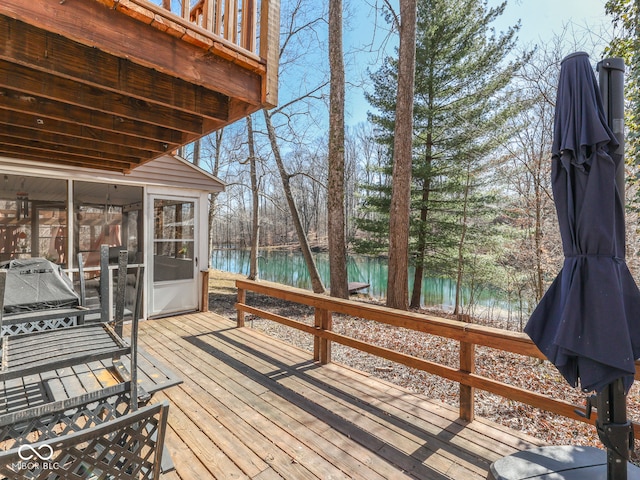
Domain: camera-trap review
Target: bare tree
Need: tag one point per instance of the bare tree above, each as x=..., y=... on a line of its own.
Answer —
x=398, y=279
x=335, y=196
x=255, y=198
x=298, y=45
x=215, y=169
x=316, y=281
x=196, y=153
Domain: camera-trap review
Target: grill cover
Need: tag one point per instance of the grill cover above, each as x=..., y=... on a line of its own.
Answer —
x=37, y=284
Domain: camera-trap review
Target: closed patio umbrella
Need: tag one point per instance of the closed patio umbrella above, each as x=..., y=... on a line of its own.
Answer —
x=588, y=322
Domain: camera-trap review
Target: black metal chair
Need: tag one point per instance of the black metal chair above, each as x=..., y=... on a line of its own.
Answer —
x=44, y=351
x=77, y=438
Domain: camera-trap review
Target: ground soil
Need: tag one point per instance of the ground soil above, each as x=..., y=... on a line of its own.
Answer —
x=524, y=372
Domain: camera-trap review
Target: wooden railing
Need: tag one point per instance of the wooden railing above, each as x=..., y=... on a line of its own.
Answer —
x=244, y=31
x=468, y=335
x=233, y=20
x=236, y=22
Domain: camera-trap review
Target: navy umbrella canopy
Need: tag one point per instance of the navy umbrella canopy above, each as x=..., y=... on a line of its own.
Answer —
x=588, y=322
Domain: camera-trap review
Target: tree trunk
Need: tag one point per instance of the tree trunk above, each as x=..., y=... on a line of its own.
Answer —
x=316, y=281
x=398, y=280
x=421, y=248
x=255, y=197
x=463, y=233
x=214, y=196
x=196, y=153
x=335, y=195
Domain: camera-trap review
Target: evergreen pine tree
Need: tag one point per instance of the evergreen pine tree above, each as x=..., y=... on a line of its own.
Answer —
x=460, y=118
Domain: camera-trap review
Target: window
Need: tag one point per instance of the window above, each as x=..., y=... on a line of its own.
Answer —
x=107, y=215
x=33, y=218
x=173, y=241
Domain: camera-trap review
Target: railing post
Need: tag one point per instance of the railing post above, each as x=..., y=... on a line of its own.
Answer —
x=248, y=28
x=467, y=365
x=322, y=346
x=186, y=9
x=242, y=297
x=205, y=291
x=467, y=393
x=270, y=48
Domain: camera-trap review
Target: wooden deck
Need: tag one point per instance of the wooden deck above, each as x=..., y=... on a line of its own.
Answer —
x=254, y=407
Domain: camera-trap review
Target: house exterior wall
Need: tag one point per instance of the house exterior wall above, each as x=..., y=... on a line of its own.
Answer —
x=168, y=176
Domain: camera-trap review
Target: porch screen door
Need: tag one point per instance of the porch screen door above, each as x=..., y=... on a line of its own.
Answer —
x=175, y=263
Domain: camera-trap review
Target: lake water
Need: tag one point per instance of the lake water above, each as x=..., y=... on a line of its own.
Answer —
x=290, y=269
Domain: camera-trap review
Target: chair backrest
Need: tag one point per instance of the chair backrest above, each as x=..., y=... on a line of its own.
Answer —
x=3, y=283
x=83, y=287
x=82, y=280
x=119, y=303
x=121, y=291
x=127, y=447
x=104, y=283
x=137, y=305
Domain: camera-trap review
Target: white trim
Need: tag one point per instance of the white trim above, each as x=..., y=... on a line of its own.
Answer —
x=152, y=194
x=71, y=224
x=137, y=176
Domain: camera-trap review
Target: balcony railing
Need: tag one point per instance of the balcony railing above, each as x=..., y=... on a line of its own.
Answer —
x=244, y=31
x=233, y=20
x=239, y=23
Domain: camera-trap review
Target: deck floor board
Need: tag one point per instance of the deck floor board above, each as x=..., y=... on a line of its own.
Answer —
x=254, y=407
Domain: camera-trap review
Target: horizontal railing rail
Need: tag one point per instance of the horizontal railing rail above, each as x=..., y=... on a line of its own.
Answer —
x=466, y=334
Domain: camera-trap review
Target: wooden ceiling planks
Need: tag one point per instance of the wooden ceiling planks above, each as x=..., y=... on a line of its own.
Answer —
x=94, y=102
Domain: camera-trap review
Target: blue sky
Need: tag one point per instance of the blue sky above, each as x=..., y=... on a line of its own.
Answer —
x=543, y=18
x=584, y=20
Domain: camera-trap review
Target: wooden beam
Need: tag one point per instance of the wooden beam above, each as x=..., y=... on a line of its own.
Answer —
x=64, y=160
x=20, y=136
x=93, y=24
x=270, y=50
x=18, y=121
x=53, y=54
x=56, y=150
x=30, y=82
x=44, y=109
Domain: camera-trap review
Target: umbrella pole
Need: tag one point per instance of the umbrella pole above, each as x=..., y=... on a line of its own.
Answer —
x=614, y=430
x=611, y=83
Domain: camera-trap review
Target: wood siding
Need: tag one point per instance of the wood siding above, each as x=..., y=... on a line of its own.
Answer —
x=171, y=171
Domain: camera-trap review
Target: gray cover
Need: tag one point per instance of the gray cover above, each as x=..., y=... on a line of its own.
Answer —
x=37, y=284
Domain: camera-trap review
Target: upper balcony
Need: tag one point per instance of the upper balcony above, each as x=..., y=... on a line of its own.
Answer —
x=112, y=84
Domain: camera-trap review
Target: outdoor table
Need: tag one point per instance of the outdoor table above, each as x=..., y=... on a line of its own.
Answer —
x=46, y=368
x=29, y=353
